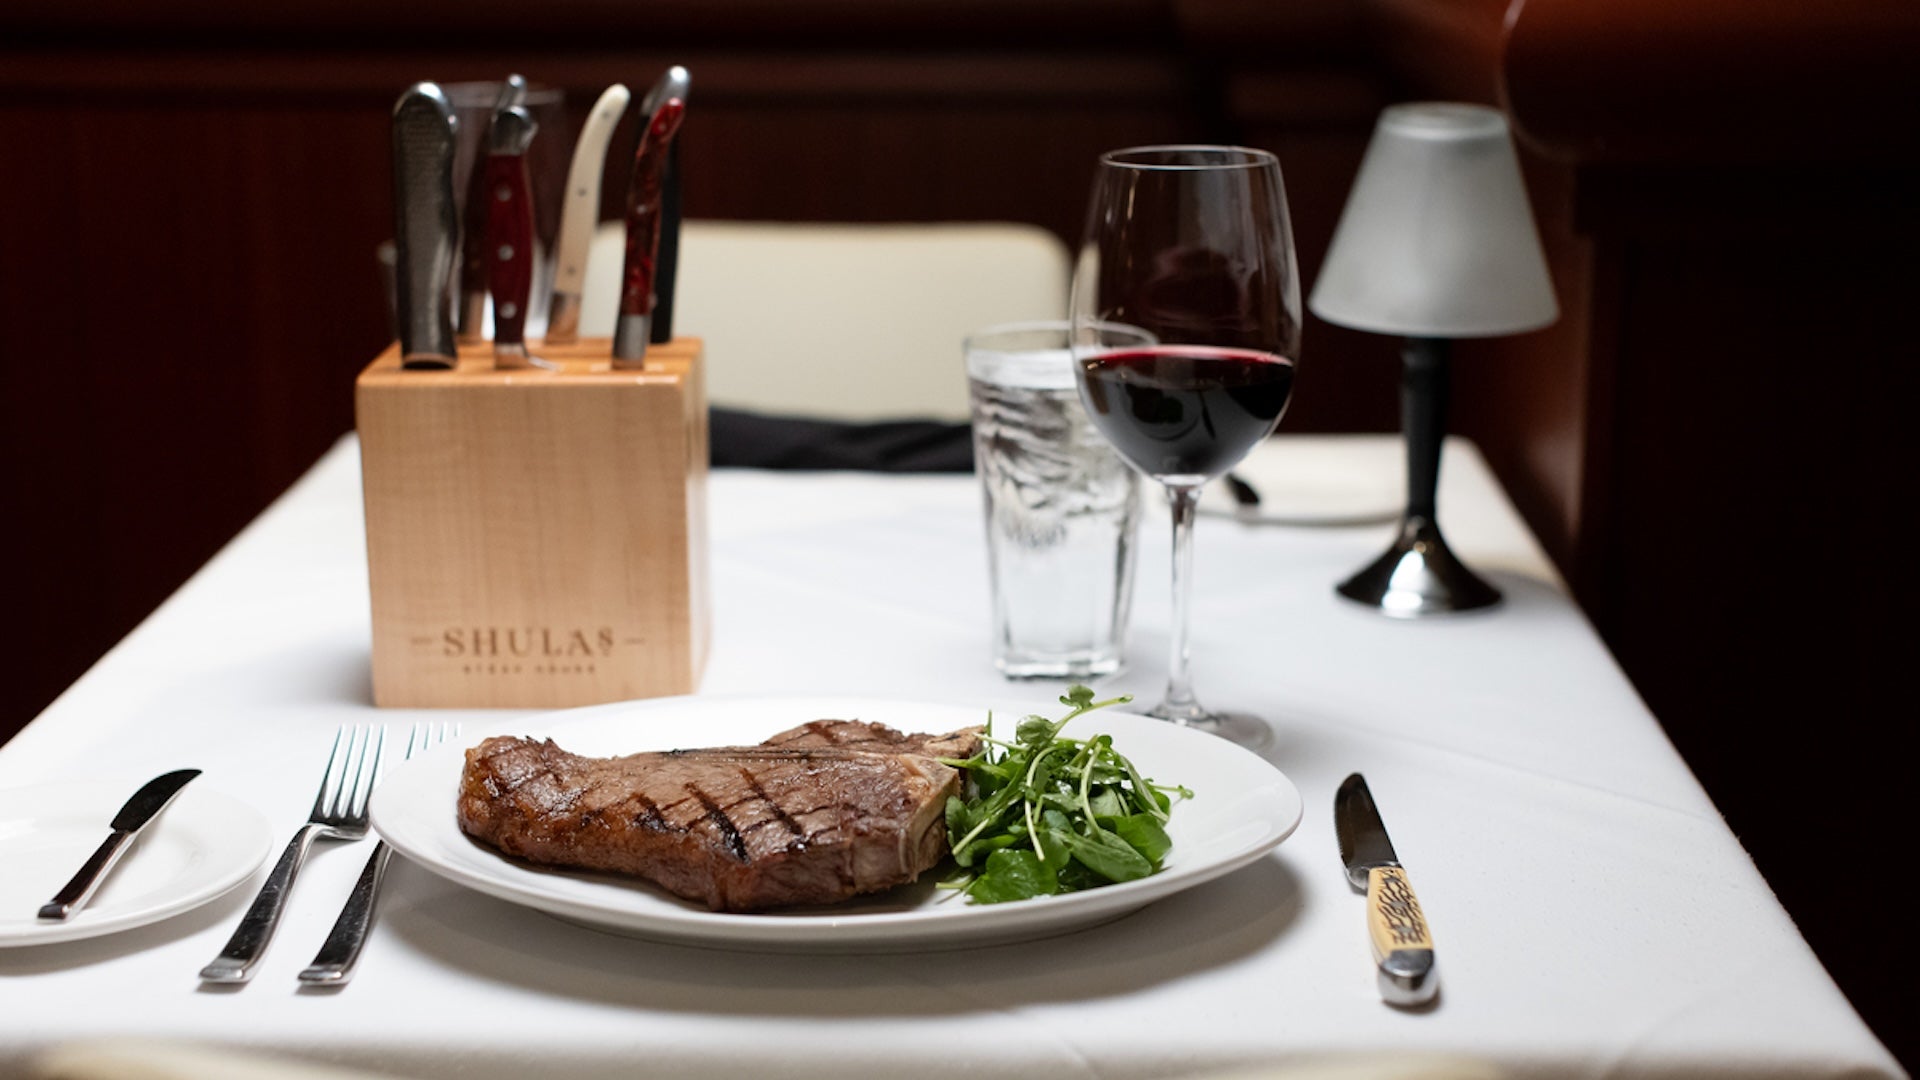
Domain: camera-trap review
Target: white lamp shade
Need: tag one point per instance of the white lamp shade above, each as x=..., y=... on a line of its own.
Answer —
x=1437, y=238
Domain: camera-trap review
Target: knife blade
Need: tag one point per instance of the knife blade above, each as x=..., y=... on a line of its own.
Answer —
x=510, y=235
x=580, y=213
x=425, y=225
x=632, y=332
x=1402, y=944
x=474, y=264
x=145, y=805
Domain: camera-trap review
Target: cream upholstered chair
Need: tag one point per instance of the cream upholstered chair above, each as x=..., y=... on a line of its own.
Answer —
x=843, y=321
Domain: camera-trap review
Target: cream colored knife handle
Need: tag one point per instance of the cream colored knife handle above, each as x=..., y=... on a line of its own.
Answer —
x=580, y=212
x=1402, y=945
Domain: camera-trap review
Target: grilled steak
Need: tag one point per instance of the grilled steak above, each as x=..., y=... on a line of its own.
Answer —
x=814, y=815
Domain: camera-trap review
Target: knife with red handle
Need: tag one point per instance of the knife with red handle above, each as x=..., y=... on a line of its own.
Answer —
x=510, y=234
x=474, y=270
x=643, y=235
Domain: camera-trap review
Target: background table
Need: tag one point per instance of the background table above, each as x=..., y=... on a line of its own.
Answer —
x=1593, y=914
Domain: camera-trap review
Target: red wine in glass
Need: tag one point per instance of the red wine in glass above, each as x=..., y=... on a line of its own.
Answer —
x=1186, y=410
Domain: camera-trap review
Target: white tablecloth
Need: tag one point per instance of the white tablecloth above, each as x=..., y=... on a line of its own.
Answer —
x=1593, y=914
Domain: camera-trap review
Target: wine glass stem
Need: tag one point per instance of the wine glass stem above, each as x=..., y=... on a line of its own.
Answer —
x=1179, y=700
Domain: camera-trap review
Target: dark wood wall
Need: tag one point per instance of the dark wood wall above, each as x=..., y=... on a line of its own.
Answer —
x=1708, y=442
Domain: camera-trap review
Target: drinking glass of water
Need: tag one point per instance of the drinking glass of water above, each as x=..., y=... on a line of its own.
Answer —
x=1061, y=507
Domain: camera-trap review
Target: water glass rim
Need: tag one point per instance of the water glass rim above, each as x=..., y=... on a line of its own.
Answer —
x=1168, y=157
x=998, y=337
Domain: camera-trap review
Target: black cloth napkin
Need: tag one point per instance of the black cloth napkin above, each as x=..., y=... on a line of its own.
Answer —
x=760, y=441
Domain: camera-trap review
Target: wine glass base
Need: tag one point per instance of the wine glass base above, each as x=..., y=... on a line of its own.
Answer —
x=1241, y=729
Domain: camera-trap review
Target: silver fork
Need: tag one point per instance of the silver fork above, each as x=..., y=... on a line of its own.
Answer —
x=339, y=813
x=333, y=964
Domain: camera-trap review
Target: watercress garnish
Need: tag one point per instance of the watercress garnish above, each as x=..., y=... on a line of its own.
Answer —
x=1053, y=815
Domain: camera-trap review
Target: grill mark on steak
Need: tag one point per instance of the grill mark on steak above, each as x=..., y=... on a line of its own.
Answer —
x=779, y=812
x=723, y=821
x=649, y=816
x=814, y=815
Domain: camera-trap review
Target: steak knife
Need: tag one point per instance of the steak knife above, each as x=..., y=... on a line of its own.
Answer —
x=1402, y=945
x=580, y=213
x=632, y=332
x=474, y=265
x=510, y=234
x=425, y=225
x=145, y=805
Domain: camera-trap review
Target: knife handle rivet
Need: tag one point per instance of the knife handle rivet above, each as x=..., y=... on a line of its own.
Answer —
x=506, y=252
x=509, y=310
x=503, y=193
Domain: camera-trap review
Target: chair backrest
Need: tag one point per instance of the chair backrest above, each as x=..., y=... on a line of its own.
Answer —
x=843, y=321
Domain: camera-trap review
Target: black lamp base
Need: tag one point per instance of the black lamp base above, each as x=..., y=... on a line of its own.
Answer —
x=1418, y=576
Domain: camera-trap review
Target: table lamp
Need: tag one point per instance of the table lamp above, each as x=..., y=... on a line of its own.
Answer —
x=1436, y=242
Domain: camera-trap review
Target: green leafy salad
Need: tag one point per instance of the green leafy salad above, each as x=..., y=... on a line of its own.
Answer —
x=1055, y=815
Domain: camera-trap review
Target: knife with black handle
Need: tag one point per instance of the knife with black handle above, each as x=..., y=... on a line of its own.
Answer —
x=425, y=225
x=1402, y=944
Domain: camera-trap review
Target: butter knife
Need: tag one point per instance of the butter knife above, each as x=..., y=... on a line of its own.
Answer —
x=1402, y=945
x=425, y=225
x=580, y=213
x=140, y=810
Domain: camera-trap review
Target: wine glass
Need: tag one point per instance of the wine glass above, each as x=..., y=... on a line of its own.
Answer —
x=1190, y=245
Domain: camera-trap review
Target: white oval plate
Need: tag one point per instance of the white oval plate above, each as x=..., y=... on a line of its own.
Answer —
x=199, y=848
x=1242, y=809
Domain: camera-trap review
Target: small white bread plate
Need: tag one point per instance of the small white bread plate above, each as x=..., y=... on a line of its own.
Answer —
x=200, y=847
x=1327, y=480
x=1242, y=808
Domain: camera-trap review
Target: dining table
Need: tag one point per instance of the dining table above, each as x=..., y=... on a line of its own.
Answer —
x=1591, y=912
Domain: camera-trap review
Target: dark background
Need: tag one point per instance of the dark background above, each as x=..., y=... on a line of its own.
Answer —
x=1710, y=442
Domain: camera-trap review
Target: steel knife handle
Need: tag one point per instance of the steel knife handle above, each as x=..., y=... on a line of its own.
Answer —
x=78, y=891
x=333, y=964
x=1402, y=944
x=425, y=225
x=510, y=246
x=250, y=938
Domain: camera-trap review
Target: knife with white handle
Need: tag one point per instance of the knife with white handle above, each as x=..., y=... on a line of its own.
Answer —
x=140, y=810
x=580, y=213
x=1402, y=944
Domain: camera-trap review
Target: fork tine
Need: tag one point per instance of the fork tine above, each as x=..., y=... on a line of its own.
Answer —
x=365, y=775
x=326, y=779
x=349, y=773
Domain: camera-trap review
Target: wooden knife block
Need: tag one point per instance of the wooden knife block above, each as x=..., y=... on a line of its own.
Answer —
x=535, y=538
